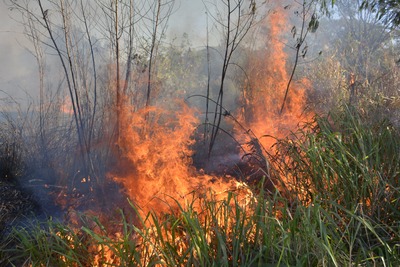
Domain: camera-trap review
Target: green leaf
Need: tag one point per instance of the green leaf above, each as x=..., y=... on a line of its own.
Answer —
x=313, y=24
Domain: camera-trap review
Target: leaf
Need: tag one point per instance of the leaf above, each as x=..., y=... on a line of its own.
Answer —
x=313, y=24
x=294, y=31
x=304, y=51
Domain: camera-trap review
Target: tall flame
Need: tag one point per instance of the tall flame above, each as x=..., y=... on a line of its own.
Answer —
x=268, y=79
x=156, y=156
x=156, y=167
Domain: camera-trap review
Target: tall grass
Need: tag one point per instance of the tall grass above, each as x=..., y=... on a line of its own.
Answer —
x=343, y=210
x=222, y=235
x=345, y=160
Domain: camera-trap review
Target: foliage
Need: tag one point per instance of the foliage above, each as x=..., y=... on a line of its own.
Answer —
x=387, y=10
x=11, y=165
x=345, y=159
x=179, y=70
x=340, y=203
x=357, y=63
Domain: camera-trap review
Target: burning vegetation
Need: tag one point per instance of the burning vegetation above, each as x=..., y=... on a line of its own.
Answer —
x=142, y=169
x=156, y=168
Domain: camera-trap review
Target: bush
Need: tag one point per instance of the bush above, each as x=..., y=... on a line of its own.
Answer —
x=11, y=165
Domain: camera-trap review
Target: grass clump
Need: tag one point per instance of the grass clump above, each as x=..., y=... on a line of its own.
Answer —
x=343, y=159
x=224, y=234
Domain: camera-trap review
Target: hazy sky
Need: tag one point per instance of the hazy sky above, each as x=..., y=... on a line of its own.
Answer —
x=18, y=70
x=15, y=61
x=189, y=18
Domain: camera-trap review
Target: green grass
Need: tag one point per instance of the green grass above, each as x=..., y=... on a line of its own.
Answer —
x=342, y=175
x=343, y=159
x=225, y=234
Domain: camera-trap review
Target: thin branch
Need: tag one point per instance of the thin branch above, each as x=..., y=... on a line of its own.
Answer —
x=300, y=41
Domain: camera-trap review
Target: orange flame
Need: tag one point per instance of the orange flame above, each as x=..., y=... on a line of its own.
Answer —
x=156, y=169
x=66, y=106
x=157, y=157
x=267, y=82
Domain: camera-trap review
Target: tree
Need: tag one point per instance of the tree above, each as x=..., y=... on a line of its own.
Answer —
x=359, y=38
x=54, y=26
x=156, y=30
x=104, y=49
x=119, y=24
x=359, y=58
x=240, y=16
x=387, y=11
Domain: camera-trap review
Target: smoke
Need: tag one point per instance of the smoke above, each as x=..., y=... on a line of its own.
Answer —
x=189, y=18
x=17, y=66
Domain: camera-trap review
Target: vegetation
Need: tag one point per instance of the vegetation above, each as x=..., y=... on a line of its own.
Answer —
x=343, y=209
x=327, y=194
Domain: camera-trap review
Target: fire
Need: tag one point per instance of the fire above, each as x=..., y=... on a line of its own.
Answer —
x=156, y=157
x=66, y=106
x=155, y=143
x=268, y=78
x=156, y=167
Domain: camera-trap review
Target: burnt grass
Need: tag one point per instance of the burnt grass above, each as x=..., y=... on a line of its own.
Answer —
x=16, y=204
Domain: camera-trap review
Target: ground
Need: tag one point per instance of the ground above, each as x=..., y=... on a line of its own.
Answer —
x=15, y=204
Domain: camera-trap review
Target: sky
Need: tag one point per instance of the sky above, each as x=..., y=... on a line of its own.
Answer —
x=18, y=70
